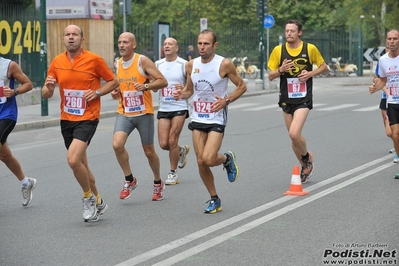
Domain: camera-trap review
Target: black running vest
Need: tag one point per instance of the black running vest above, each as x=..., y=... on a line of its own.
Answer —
x=301, y=62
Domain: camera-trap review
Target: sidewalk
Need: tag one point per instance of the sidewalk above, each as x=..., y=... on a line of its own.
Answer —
x=30, y=116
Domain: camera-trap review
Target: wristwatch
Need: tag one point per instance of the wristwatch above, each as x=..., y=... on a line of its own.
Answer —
x=98, y=93
x=16, y=92
x=146, y=86
x=228, y=101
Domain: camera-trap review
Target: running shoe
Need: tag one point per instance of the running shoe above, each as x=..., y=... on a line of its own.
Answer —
x=90, y=209
x=158, y=191
x=127, y=188
x=215, y=205
x=183, y=156
x=102, y=208
x=27, y=191
x=307, y=168
x=396, y=176
x=392, y=150
x=395, y=158
x=231, y=166
x=173, y=179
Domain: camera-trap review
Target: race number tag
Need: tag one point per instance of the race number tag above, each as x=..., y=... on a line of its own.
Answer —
x=3, y=99
x=167, y=93
x=202, y=107
x=393, y=91
x=74, y=103
x=133, y=101
x=296, y=88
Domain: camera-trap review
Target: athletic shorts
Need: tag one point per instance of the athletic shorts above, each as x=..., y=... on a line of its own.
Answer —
x=143, y=123
x=393, y=113
x=170, y=115
x=206, y=127
x=6, y=126
x=383, y=104
x=291, y=108
x=81, y=130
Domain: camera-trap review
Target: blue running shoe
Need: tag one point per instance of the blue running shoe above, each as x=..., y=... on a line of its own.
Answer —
x=231, y=167
x=395, y=158
x=215, y=205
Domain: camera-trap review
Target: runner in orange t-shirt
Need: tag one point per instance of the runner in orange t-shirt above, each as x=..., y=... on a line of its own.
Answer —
x=78, y=73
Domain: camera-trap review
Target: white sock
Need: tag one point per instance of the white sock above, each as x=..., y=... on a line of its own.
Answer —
x=24, y=182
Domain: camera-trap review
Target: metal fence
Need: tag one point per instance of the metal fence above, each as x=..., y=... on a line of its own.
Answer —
x=20, y=37
x=243, y=41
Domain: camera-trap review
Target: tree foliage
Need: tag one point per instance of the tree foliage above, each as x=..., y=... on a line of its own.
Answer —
x=374, y=17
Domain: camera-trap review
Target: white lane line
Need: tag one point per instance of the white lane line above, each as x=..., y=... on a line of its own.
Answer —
x=213, y=228
x=367, y=109
x=337, y=107
x=242, y=229
x=241, y=105
x=263, y=107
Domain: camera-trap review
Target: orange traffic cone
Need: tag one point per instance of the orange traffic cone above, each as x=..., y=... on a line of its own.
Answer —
x=296, y=184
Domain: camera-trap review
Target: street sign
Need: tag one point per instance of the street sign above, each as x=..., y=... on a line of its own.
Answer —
x=373, y=54
x=268, y=21
x=203, y=24
x=367, y=55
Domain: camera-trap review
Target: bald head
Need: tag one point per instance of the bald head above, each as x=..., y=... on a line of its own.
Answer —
x=126, y=45
x=128, y=35
x=170, y=48
x=73, y=28
x=171, y=40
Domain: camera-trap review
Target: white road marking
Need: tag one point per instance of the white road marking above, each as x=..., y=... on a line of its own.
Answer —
x=241, y=105
x=248, y=226
x=367, y=109
x=338, y=107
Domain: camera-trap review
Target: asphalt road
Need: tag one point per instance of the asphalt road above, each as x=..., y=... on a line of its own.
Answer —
x=350, y=213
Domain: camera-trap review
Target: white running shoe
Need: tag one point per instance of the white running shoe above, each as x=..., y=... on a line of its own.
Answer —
x=183, y=156
x=172, y=179
x=27, y=191
x=89, y=208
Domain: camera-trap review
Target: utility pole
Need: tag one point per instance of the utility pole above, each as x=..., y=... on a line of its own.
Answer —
x=43, y=54
x=262, y=12
x=125, y=7
x=261, y=37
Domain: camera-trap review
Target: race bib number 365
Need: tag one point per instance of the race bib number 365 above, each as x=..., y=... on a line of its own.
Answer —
x=133, y=101
x=74, y=103
x=296, y=88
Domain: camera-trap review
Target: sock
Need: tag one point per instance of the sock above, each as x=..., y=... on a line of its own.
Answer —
x=87, y=194
x=24, y=182
x=172, y=171
x=305, y=157
x=98, y=199
x=227, y=159
x=157, y=182
x=215, y=197
x=129, y=178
